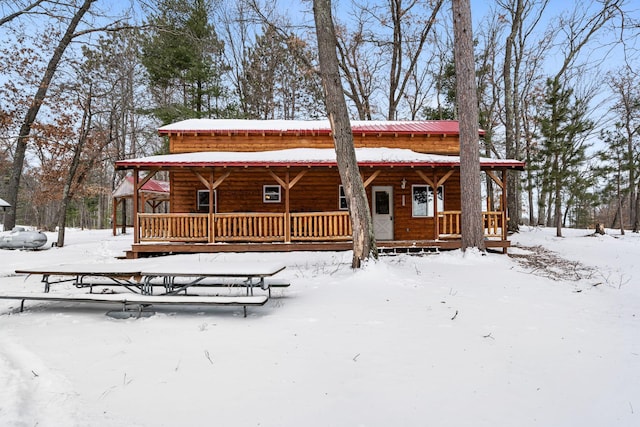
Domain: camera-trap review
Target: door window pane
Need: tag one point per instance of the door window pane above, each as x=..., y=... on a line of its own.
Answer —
x=382, y=202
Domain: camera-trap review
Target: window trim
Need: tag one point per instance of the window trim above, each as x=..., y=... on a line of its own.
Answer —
x=264, y=193
x=342, y=196
x=430, y=213
x=201, y=207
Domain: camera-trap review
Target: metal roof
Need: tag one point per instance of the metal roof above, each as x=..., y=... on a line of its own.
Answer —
x=307, y=157
x=125, y=189
x=310, y=127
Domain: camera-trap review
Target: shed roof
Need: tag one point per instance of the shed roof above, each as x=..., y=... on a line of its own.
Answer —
x=154, y=187
x=4, y=204
x=308, y=157
x=310, y=127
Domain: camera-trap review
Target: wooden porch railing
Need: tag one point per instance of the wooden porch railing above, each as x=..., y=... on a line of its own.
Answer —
x=173, y=227
x=254, y=227
x=492, y=221
x=321, y=226
x=280, y=227
x=245, y=227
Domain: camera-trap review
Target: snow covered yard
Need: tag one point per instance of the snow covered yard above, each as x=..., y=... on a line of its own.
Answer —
x=437, y=340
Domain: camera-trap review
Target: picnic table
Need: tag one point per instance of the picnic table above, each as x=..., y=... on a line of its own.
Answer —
x=121, y=274
x=176, y=279
x=140, y=280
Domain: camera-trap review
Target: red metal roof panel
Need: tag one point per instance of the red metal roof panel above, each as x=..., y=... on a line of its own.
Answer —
x=317, y=127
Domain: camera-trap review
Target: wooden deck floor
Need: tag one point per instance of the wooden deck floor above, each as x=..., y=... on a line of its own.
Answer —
x=394, y=246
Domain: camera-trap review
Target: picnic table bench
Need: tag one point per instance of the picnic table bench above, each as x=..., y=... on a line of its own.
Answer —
x=140, y=280
x=142, y=301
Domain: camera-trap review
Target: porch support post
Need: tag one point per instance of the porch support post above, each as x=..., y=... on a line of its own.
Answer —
x=503, y=208
x=212, y=200
x=124, y=215
x=287, y=184
x=136, y=187
x=211, y=185
x=114, y=212
x=436, y=214
x=502, y=183
x=287, y=213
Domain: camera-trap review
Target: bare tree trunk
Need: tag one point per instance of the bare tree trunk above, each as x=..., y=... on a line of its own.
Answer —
x=558, y=200
x=511, y=118
x=620, y=217
x=620, y=196
x=542, y=211
x=32, y=113
x=364, y=244
x=549, y=221
x=67, y=193
x=467, y=97
x=398, y=77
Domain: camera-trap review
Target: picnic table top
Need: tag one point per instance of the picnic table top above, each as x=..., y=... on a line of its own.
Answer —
x=215, y=270
x=102, y=269
x=171, y=269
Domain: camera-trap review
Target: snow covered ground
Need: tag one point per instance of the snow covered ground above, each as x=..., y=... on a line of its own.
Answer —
x=539, y=339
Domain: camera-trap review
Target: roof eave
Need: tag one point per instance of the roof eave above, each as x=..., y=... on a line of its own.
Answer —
x=177, y=165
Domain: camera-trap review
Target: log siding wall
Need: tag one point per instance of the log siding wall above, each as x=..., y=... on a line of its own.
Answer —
x=317, y=191
x=431, y=144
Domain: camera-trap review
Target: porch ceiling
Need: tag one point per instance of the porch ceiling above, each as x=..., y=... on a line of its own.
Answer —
x=308, y=157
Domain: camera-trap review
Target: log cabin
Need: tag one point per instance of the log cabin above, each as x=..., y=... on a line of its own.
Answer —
x=273, y=185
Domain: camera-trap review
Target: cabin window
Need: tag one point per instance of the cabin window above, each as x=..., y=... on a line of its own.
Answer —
x=422, y=200
x=342, y=199
x=202, y=200
x=271, y=193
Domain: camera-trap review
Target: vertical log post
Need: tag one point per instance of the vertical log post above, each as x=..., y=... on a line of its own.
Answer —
x=136, y=188
x=114, y=215
x=503, y=207
x=212, y=200
x=436, y=220
x=287, y=212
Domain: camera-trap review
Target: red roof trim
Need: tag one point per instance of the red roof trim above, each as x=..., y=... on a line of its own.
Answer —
x=142, y=164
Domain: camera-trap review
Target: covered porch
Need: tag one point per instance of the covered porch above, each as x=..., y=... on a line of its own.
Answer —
x=257, y=232
x=290, y=224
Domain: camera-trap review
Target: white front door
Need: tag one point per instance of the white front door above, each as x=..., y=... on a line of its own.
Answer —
x=382, y=212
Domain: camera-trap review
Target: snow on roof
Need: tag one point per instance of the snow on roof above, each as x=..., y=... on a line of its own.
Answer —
x=306, y=157
x=4, y=204
x=239, y=126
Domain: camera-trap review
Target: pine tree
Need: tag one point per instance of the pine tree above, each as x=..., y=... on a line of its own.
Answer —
x=564, y=127
x=278, y=81
x=184, y=60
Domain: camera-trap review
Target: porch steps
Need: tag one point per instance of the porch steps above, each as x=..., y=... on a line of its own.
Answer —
x=409, y=250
